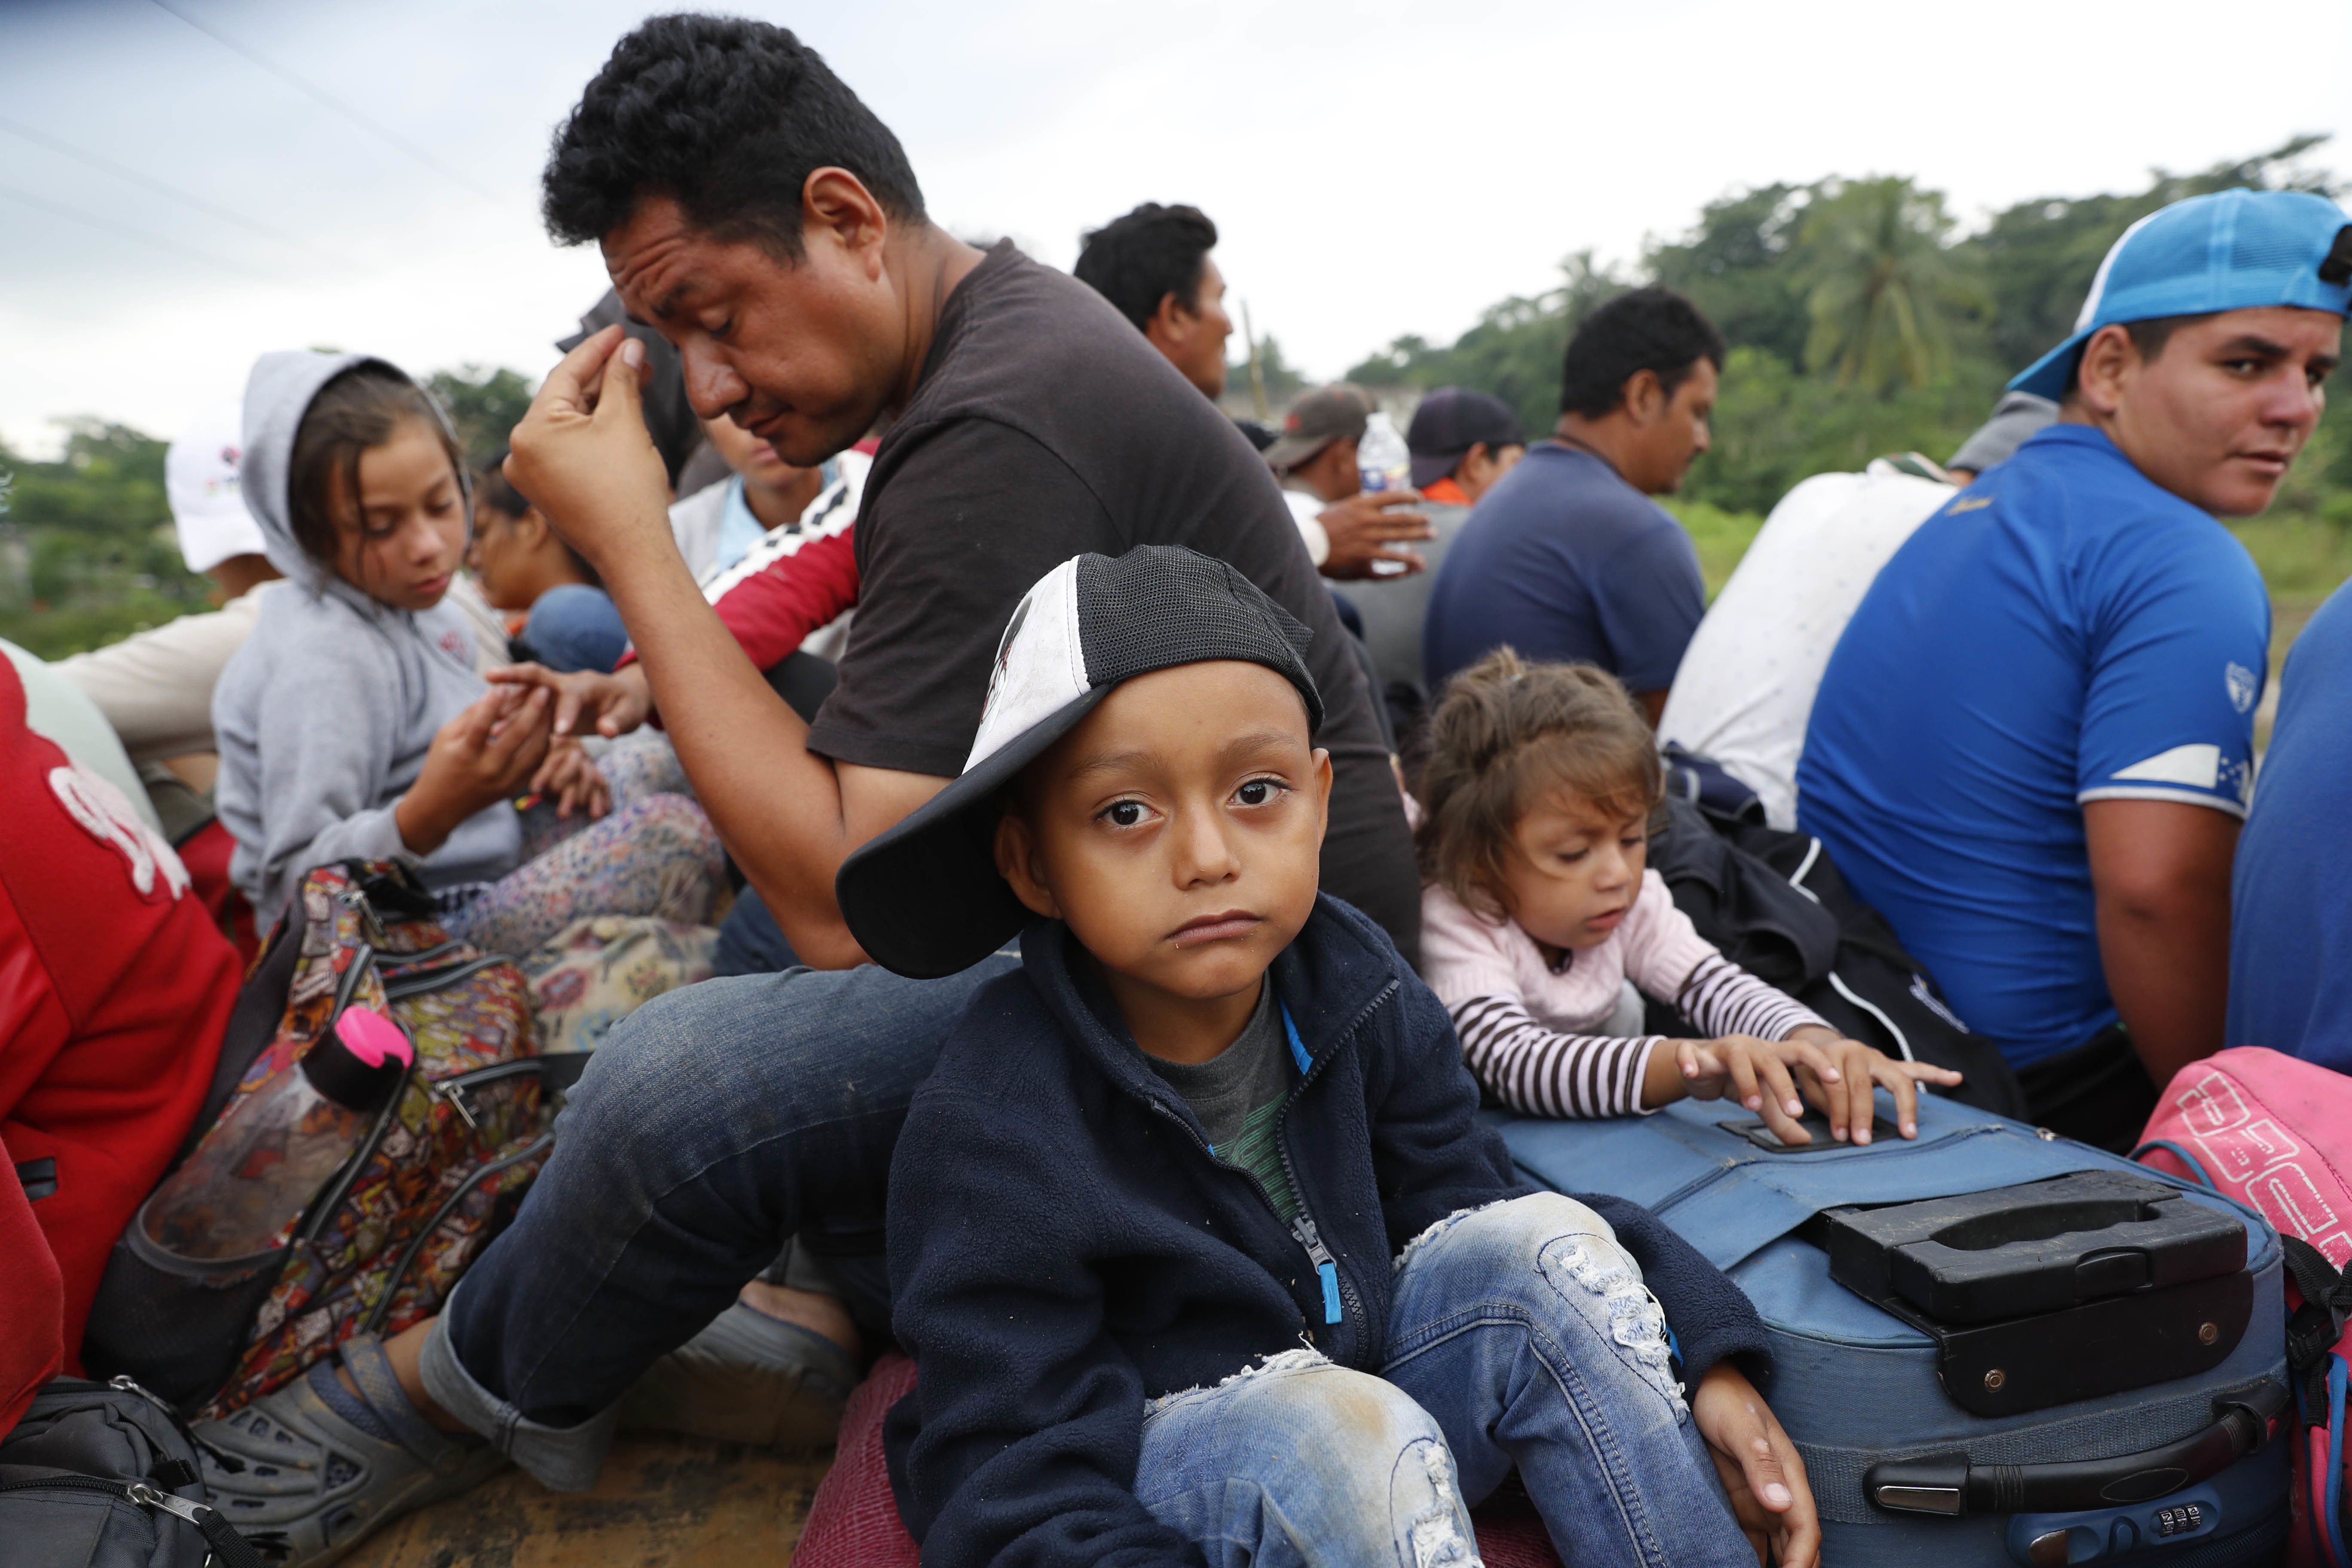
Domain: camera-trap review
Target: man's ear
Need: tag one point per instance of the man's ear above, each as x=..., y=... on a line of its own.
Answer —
x=837, y=208
x=1170, y=324
x=1322, y=793
x=2109, y=361
x=1016, y=862
x=1644, y=399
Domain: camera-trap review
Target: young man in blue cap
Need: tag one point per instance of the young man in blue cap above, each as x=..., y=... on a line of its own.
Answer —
x=2033, y=746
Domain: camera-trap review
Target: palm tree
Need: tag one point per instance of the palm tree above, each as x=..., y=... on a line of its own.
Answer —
x=1881, y=285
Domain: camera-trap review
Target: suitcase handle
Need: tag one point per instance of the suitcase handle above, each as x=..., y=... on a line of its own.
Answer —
x=1950, y=1486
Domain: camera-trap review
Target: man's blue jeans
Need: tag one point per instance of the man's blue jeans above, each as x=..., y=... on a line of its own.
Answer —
x=712, y=1125
x=1521, y=1335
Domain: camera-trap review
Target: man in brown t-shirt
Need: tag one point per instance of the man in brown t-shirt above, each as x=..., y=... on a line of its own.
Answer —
x=761, y=217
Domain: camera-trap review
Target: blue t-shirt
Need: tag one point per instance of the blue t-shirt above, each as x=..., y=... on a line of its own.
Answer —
x=2291, y=894
x=1564, y=560
x=2064, y=631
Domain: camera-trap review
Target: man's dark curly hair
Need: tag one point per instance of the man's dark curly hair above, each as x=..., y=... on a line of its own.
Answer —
x=1650, y=328
x=1138, y=259
x=726, y=117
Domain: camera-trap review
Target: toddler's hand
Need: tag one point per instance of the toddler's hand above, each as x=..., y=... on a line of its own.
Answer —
x=1755, y=1071
x=573, y=777
x=1847, y=1074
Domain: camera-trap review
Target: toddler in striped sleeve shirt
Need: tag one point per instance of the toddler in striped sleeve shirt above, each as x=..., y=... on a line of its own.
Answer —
x=1535, y=800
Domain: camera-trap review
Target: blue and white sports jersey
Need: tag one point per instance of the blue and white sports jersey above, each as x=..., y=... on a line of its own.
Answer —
x=2064, y=631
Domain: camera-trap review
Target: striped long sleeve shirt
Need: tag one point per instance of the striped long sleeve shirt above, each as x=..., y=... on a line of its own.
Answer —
x=1531, y=1030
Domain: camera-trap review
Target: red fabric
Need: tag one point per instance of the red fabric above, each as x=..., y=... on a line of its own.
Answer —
x=853, y=1521
x=206, y=854
x=1445, y=492
x=115, y=987
x=32, y=1301
x=809, y=584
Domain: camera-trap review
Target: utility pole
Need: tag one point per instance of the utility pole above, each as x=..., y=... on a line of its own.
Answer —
x=1257, y=375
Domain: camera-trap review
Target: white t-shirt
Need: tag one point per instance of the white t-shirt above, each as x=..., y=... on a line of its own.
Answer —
x=1745, y=689
x=1306, y=511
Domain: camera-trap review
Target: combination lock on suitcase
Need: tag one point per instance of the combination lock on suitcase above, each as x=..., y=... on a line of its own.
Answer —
x=1989, y=1346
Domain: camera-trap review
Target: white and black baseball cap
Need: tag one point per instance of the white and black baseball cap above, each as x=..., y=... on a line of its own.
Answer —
x=925, y=897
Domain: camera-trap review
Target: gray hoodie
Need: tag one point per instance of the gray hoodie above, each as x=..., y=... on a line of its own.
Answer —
x=325, y=714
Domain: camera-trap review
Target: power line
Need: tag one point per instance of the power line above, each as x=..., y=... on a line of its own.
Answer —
x=106, y=165
x=327, y=102
x=125, y=231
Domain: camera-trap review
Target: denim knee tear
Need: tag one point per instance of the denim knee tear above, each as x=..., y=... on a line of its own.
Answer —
x=1436, y=1535
x=1446, y=1223
x=1281, y=1360
x=1636, y=1321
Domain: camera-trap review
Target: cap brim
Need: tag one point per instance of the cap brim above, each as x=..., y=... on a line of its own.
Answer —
x=2052, y=376
x=1430, y=469
x=1289, y=451
x=924, y=900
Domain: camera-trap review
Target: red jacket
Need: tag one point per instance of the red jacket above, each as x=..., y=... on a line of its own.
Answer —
x=115, y=988
x=789, y=585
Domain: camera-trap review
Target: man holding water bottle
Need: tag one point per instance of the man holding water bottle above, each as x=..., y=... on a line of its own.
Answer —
x=1353, y=529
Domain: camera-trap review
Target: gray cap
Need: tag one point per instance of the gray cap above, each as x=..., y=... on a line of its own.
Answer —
x=2016, y=415
x=1339, y=412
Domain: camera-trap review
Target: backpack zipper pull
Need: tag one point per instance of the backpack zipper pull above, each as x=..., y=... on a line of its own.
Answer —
x=456, y=1095
x=1327, y=1268
x=150, y=1497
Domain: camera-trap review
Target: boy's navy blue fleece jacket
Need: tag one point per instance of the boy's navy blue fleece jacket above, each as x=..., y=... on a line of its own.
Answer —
x=1063, y=1248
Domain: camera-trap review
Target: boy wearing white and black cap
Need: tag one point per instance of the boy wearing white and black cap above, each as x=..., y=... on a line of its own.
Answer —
x=1193, y=1206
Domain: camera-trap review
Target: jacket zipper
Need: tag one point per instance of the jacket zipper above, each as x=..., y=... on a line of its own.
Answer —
x=377, y=1314
x=1336, y=1293
x=1327, y=1268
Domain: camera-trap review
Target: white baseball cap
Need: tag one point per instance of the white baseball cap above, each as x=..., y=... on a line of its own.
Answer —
x=200, y=472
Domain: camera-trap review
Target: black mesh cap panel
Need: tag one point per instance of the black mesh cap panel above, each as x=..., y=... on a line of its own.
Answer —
x=1160, y=606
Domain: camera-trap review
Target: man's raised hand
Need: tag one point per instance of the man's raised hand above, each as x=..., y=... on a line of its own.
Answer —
x=583, y=456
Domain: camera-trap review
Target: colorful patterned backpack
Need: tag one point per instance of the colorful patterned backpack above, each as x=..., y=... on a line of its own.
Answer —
x=435, y=1173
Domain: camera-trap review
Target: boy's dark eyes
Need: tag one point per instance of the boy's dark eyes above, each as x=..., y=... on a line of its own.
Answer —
x=1123, y=813
x=1260, y=792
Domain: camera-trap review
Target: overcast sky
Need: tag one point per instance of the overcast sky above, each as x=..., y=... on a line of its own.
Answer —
x=183, y=188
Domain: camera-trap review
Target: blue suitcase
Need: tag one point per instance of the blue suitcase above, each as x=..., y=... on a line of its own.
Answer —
x=1992, y=1345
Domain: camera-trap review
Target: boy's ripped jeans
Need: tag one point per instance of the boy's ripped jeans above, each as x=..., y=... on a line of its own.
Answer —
x=1521, y=1335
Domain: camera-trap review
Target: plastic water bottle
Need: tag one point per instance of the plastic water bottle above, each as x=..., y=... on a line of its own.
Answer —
x=263, y=1163
x=1383, y=462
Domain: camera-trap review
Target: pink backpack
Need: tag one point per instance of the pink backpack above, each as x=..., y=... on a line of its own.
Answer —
x=2275, y=1134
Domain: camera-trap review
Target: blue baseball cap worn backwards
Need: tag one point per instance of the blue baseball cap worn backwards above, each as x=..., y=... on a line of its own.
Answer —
x=2232, y=251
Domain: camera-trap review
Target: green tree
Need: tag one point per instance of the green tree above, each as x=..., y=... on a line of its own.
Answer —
x=1514, y=350
x=1734, y=266
x=484, y=405
x=1882, y=286
x=86, y=551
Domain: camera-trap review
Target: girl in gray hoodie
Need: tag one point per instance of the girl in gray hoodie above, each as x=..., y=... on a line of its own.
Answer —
x=352, y=724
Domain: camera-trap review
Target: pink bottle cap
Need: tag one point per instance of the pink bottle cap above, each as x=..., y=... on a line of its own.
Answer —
x=373, y=1038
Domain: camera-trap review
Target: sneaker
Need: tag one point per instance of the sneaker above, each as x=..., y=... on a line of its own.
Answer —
x=747, y=1378
x=307, y=1473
